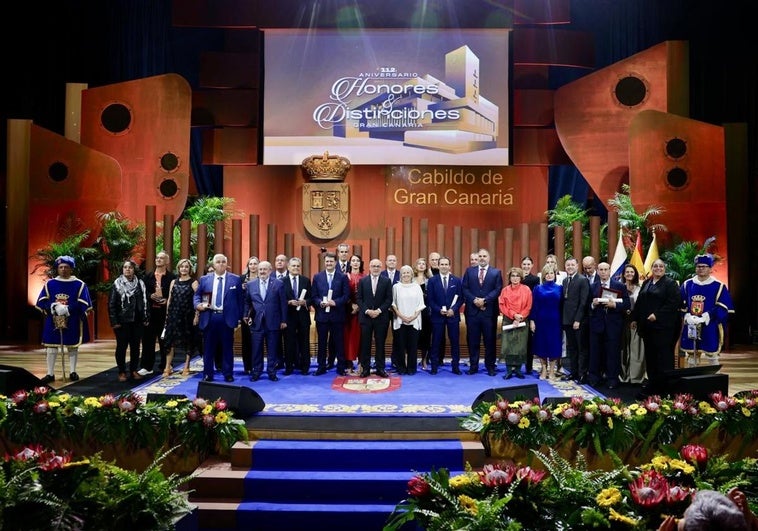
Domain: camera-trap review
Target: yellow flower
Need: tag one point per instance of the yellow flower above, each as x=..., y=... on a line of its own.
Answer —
x=485, y=419
x=207, y=410
x=468, y=504
x=171, y=404
x=641, y=411
x=523, y=423
x=91, y=401
x=463, y=480
x=608, y=497
x=683, y=466
x=221, y=417
x=492, y=408
x=64, y=397
x=615, y=515
x=610, y=422
x=746, y=411
x=54, y=403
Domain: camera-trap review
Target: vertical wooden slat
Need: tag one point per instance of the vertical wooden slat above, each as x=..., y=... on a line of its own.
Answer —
x=289, y=244
x=185, y=237
x=236, y=259
x=577, y=242
x=218, y=237
x=168, y=239
x=254, y=222
x=559, y=245
x=474, y=240
x=508, y=236
x=492, y=246
x=441, y=239
x=271, y=244
x=423, y=237
x=460, y=265
x=595, y=238
x=407, y=257
x=305, y=257
x=202, y=249
x=358, y=249
x=525, y=240
x=149, y=237
x=542, y=252
x=373, y=245
x=390, y=244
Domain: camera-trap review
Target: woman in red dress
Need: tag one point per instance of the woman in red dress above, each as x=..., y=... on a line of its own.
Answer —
x=352, y=326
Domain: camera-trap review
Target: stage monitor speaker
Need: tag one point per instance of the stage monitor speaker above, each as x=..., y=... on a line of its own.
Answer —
x=701, y=387
x=700, y=370
x=13, y=379
x=517, y=392
x=243, y=401
x=162, y=398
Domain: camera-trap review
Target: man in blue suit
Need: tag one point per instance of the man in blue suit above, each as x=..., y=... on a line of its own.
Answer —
x=610, y=301
x=219, y=299
x=445, y=296
x=374, y=296
x=266, y=314
x=482, y=285
x=330, y=291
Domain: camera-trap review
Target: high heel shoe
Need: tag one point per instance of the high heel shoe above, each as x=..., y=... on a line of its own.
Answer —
x=167, y=373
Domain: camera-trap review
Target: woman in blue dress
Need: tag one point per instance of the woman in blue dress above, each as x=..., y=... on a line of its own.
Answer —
x=546, y=321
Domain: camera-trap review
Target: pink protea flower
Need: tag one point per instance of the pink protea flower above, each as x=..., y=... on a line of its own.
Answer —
x=193, y=415
x=695, y=454
x=653, y=403
x=496, y=474
x=513, y=417
x=605, y=409
x=723, y=402
x=589, y=418
x=650, y=489
x=19, y=397
x=577, y=401
x=41, y=407
x=126, y=405
x=221, y=404
x=530, y=476
x=51, y=461
x=41, y=390
x=569, y=413
x=543, y=414
x=27, y=453
x=200, y=402
x=418, y=487
x=107, y=400
x=677, y=494
x=209, y=421
x=502, y=404
x=496, y=416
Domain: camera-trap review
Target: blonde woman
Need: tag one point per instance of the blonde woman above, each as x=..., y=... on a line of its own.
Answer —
x=545, y=322
x=180, y=332
x=407, y=303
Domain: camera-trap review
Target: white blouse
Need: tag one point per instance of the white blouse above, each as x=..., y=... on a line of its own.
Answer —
x=407, y=299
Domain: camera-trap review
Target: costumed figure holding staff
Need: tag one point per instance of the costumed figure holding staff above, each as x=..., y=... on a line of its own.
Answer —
x=707, y=305
x=64, y=302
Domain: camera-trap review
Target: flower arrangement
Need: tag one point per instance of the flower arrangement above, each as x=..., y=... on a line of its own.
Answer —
x=57, y=419
x=42, y=489
x=570, y=496
x=601, y=425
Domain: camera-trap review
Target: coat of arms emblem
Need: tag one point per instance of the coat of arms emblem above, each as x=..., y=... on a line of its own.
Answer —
x=326, y=198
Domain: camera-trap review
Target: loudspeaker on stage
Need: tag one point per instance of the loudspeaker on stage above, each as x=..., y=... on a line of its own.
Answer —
x=516, y=392
x=13, y=379
x=243, y=401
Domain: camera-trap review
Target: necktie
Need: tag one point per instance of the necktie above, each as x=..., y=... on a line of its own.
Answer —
x=444, y=283
x=481, y=276
x=344, y=267
x=566, y=288
x=263, y=289
x=373, y=284
x=220, y=292
x=294, y=287
x=329, y=280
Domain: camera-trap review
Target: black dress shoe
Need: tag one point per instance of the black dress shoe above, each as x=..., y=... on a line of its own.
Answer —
x=433, y=371
x=456, y=370
x=73, y=377
x=582, y=379
x=381, y=374
x=247, y=372
x=567, y=378
x=613, y=385
x=207, y=378
x=491, y=372
x=255, y=377
x=287, y=372
x=228, y=378
x=508, y=376
x=273, y=377
x=319, y=371
x=519, y=375
x=305, y=372
x=472, y=371
x=365, y=374
x=47, y=379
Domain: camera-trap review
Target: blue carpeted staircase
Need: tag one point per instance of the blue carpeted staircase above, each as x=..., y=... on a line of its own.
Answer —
x=324, y=484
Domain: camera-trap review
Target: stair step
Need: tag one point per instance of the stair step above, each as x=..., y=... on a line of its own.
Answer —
x=258, y=516
x=339, y=455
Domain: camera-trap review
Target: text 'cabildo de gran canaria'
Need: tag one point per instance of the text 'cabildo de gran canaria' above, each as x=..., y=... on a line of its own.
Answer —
x=455, y=187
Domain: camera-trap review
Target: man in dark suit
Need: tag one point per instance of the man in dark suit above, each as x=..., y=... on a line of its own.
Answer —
x=607, y=310
x=392, y=273
x=481, y=288
x=266, y=314
x=297, y=341
x=219, y=299
x=374, y=296
x=574, y=319
x=445, y=296
x=330, y=293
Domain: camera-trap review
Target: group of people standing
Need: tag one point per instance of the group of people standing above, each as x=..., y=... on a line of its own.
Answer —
x=597, y=329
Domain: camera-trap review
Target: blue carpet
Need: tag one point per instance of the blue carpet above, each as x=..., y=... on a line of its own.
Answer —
x=423, y=394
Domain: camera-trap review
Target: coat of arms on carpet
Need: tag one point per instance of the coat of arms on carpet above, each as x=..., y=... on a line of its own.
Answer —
x=370, y=384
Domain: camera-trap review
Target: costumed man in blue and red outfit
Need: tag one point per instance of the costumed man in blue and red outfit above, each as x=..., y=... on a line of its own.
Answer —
x=707, y=305
x=64, y=301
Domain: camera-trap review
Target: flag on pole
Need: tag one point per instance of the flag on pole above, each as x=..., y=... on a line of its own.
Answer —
x=619, y=260
x=636, y=259
x=652, y=256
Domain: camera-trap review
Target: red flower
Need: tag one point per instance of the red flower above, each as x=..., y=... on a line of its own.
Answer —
x=650, y=489
x=19, y=397
x=220, y=404
x=41, y=407
x=209, y=421
x=107, y=400
x=695, y=454
x=418, y=487
x=496, y=474
x=193, y=415
x=41, y=390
